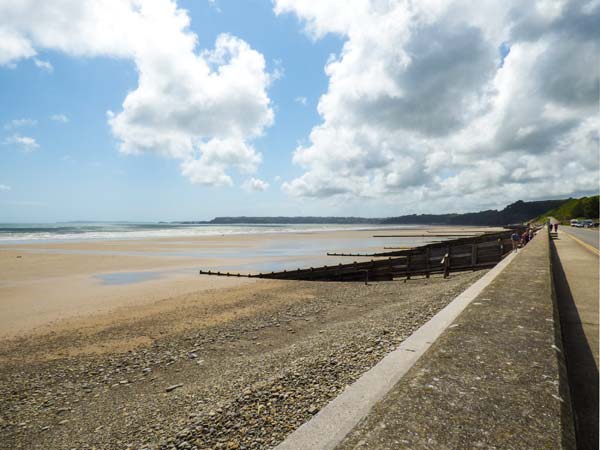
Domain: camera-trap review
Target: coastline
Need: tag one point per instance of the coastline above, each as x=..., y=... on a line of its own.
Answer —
x=180, y=353
x=243, y=365
x=45, y=283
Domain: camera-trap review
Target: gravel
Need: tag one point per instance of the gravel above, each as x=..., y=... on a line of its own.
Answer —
x=242, y=383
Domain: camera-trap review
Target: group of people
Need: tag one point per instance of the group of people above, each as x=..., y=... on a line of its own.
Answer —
x=552, y=226
x=521, y=239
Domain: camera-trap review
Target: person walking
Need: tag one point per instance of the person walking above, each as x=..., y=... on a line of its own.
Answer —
x=556, y=227
x=515, y=238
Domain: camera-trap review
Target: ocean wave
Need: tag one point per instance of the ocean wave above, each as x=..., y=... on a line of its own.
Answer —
x=61, y=232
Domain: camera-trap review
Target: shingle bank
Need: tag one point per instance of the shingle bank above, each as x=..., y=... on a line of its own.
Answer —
x=495, y=378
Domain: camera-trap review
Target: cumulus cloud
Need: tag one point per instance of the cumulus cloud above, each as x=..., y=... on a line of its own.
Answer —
x=453, y=104
x=215, y=156
x=26, y=143
x=255, y=185
x=45, y=65
x=189, y=103
x=213, y=4
x=4, y=188
x=18, y=123
x=59, y=118
x=13, y=47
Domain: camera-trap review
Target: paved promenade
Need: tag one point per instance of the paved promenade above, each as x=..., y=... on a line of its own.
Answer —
x=577, y=282
x=495, y=379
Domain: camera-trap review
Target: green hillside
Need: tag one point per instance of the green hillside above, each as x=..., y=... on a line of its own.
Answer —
x=575, y=208
x=517, y=212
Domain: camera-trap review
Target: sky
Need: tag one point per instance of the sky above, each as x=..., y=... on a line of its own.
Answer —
x=185, y=110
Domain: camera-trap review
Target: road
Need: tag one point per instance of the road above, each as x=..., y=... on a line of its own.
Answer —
x=587, y=235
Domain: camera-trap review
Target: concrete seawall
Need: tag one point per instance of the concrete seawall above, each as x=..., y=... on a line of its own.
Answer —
x=495, y=378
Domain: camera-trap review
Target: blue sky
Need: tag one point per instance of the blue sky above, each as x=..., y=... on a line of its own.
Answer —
x=358, y=109
x=78, y=173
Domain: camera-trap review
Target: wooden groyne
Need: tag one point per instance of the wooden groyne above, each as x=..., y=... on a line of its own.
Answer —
x=481, y=238
x=462, y=254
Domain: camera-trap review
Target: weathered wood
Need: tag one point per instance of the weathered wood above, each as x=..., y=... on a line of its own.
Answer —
x=426, y=235
x=452, y=256
x=446, y=263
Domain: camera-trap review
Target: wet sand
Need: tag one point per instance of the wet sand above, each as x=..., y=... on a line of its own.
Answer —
x=43, y=284
x=237, y=367
x=94, y=335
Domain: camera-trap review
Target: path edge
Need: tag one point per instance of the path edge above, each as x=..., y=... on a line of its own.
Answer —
x=339, y=417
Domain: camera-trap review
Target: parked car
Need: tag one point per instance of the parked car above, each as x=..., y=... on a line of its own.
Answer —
x=574, y=222
x=588, y=223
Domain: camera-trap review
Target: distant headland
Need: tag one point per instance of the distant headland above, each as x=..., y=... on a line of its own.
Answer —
x=517, y=212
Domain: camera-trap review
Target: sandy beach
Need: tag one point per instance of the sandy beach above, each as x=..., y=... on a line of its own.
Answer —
x=45, y=283
x=236, y=368
x=121, y=344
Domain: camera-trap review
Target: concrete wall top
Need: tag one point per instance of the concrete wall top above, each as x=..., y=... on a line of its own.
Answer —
x=494, y=379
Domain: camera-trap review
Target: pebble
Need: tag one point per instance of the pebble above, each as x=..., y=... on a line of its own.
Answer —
x=173, y=387
x=256, y=397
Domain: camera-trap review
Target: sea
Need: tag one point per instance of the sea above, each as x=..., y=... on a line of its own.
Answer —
x=79, y=231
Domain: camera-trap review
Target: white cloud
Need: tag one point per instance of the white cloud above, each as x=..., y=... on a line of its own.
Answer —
x=187, y=102
x=278, y=71
x=255, y=185
x=4, y=188
x=301, y=100
x=59, y=118
x=45, y=65
x=215, y=157
x=13, y=47
x=213, y=4
x=420, y=110
x=18, y=123
x=26, y=143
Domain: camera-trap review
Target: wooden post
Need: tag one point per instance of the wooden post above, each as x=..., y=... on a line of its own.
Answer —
x=447, y=262
x=408, y=266
x=366, y=277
